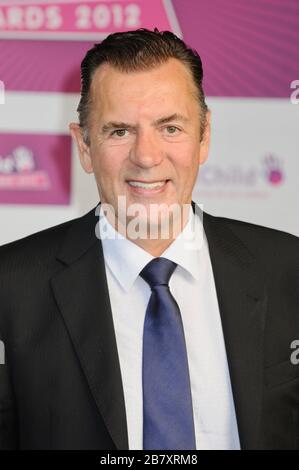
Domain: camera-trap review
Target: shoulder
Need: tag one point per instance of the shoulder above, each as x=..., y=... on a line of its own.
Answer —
x=37, y=249
x=42, y=242
x=27, y=266
x=247, y=230
x=273, y=249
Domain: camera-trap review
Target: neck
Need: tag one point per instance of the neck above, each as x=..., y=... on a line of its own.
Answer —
x=153, y=247
x=155, y=244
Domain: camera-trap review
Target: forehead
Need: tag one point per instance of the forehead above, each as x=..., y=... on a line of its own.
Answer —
x=170, y=80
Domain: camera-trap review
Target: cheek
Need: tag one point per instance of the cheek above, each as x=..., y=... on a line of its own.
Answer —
x=186, y=159
x=107, y=163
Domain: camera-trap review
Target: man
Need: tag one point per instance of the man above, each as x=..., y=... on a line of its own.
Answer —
x=118, y=341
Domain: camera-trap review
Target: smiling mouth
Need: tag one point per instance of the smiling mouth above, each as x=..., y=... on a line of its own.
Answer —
x=147, y=184
x=144, y=188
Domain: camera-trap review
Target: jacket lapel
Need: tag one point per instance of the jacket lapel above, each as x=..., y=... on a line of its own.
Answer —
x=81, y=292
x=242, y=304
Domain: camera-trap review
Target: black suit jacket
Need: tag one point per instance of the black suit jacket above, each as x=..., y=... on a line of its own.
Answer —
x=61, y=386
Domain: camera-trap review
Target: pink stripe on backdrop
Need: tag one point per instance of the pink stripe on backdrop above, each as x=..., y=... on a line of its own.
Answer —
x=247, y=48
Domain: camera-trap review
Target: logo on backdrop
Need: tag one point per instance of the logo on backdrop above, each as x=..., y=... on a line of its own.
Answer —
x=254, y=180
x=273, y=170
x=35, y=168
x=77, y=19
x=18, y=171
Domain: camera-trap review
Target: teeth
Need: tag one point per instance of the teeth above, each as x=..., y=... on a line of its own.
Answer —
x=138, y=184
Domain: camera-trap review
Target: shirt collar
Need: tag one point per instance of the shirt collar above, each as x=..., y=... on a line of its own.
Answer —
x=126, y=259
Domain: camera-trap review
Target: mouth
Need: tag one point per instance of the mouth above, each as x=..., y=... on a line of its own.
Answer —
x=147, y=187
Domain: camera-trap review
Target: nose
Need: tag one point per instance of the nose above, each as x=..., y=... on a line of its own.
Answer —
x=146, y=151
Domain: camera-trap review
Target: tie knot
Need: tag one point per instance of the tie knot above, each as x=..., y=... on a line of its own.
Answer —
x=158, y=271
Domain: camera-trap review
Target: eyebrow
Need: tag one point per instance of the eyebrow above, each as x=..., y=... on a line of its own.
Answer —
x=125, y=125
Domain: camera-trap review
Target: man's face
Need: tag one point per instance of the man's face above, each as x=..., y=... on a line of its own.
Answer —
x=144, y=126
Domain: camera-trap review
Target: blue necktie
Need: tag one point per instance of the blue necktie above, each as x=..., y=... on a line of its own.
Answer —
x=167, y=402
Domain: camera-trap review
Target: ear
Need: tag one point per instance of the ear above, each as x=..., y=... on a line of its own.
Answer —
x=83, y=149
x=205, y=142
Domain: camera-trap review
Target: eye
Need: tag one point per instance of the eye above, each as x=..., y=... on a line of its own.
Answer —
x=172, y=129
x=119, y=132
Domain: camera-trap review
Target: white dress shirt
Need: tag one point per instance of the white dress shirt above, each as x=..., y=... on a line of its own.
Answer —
x=192, y=285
